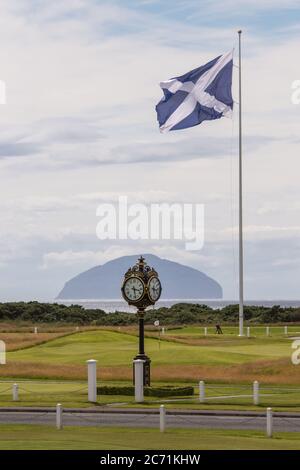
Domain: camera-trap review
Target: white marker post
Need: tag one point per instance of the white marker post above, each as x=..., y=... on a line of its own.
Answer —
x=269, y=422
x=92, y=380
x=15, y=392
x=201, y=391
x=205, y=331
x=248, y=331
x=2, y=352
x=267, y=330
x=138, y=380
x=256, y=393
x=285, y=330
x=59, y=416
x=35, y=330
x=162, y=418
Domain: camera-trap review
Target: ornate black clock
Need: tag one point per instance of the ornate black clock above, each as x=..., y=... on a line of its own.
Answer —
x=141, y=288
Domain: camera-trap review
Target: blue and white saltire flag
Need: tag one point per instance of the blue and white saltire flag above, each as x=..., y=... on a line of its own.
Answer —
x=200, y=95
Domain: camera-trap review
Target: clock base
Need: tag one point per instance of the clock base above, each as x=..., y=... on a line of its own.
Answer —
x=146, y=369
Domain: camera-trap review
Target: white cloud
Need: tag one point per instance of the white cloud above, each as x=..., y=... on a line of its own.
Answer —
x=83, y=258
x=82, y=81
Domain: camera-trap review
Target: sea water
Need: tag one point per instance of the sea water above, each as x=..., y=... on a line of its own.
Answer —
x=119, y=305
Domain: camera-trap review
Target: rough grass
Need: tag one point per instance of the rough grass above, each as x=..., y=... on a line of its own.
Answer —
x=195, y=330
x=37, y=437
x=28, y=327
x=15, y=341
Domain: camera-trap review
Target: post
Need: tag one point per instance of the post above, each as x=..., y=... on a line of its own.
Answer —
x=285, y=330
x=162, y=418
x=267, y=330
x=201, y=391
x=256, y=393
x=205, y=331
x=163, y=330
x=269, y=422
x=15, y=392
x=241, y=261
x=35, y=330
x=248, y=331
x=92, y=380
x=59, y=416
x=141, y=355
x=138, y=380
x=2, y=352
x=141, y=333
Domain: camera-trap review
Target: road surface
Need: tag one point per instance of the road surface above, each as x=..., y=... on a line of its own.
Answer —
x=140, y=418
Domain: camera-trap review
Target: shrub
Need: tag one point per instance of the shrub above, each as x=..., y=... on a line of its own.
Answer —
x=148, y=391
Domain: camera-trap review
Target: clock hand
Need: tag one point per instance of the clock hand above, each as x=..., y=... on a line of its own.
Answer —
x=134, y=289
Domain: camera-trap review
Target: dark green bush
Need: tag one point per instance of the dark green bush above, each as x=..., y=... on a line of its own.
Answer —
x=148, y=391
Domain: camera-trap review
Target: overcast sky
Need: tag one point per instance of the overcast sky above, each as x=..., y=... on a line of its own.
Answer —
x=79, y=128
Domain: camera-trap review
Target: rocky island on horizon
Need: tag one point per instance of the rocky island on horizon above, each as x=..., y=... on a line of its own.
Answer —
x=178, y=281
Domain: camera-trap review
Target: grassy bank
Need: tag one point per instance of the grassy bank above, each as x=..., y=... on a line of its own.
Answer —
x=36, y=437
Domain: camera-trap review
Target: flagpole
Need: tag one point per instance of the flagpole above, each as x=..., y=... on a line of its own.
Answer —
x=241, y=261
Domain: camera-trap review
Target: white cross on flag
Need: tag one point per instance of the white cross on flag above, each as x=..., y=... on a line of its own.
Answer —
x=200, y=95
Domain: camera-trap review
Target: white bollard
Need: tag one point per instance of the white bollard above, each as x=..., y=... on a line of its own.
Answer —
x=138, y=380
x=92, y=380
x=201, y=391
x=267, y=330
x=255, y=392
x=2, y=352
x=15, y=392
x=77, y=328
x=163, y=330
x=162, y=418
x=248, y=331
x=35, y=330
x=285, y=330
x=59, y=416
x=205, y=331
x=269, y=422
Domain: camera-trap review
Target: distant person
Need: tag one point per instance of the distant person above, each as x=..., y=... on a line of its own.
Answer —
x=219, y=330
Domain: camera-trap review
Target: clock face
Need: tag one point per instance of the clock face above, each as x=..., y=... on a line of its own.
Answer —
x=154, y=289
x=134, y=289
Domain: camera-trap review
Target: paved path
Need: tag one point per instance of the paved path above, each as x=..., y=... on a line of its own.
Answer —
x=150, y=418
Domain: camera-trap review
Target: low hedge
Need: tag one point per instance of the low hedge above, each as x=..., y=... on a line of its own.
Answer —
x=148, y=391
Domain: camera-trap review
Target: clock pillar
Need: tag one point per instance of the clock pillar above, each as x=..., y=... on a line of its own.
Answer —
x=141, y=332
x=141, y=355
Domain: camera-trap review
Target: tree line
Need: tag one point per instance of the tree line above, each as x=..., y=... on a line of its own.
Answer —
x=178, y=314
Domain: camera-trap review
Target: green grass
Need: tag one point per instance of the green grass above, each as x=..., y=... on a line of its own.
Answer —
x=74, y=394
x=227, y=354
x=179, y=349
x=37, y=437
x=117, y=349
